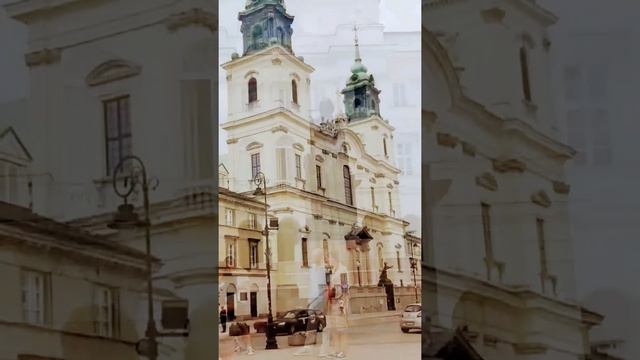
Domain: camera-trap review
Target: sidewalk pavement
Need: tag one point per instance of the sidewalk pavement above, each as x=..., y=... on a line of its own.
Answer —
x=354, y=320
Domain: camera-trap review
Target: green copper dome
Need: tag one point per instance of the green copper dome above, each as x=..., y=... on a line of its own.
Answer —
x=359, y=68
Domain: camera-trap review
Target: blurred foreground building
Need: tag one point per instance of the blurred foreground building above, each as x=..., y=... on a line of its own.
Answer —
x=499, y=268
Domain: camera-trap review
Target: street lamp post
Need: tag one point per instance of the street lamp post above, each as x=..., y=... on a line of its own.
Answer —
x=260, y=180
x=414, y=266
x=127, y=219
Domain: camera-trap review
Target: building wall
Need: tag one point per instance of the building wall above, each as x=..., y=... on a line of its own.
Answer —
x=469, y=131
x=242, y=278
x=69, y=332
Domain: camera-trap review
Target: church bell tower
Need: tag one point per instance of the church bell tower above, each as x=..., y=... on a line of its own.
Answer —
x=265, y=23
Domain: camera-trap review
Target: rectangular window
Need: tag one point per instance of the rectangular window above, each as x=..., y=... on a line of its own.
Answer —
x=325, y=251
x=253, y=221
x=255, y=165
x=542, y=247
x=319, y=176
x=486, y=229
x=230, y=217
x=398, y=259
x=243, y=296
x=35, y=297
x=253, y=253
x=384, y=145
x=305, y=256
x=197, y=124
x=577, y=134
x=348, y=194
x=572, y=83
x=524, y=69
x=231, y=253
x=373, y=198
x=597, y=83
x=106, y=315
x=281, y=164
x=390, y=204
x=600, y=138
x=118, y=131
x=399, y=96
x=298, y=166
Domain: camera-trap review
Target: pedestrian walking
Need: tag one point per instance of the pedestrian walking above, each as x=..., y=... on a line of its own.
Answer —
x=338, y=309
x=241, y=333
x=223, y=318
x=318, y=296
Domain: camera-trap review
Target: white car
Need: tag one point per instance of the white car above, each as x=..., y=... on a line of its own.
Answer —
x=411, y=318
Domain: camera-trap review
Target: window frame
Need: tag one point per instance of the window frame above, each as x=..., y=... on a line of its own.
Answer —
x=298, y=160
x=319, y=177
x=348, y=185
x=294, y=91
x=255, y=164
x=121, y=136
x=252, y=90
x=304, y=248
x=42, y=306
x=525, y=74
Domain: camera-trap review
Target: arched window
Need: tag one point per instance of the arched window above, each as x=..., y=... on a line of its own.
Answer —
x=294, y=91
x=348, y=194
x=270, y=28
x=280, y=34
x=253, y=90
x=524, y=69
x=325, y=251
x=357, y=103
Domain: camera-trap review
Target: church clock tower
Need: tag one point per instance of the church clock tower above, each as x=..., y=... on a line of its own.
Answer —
x=362, y=108
x=269, y=91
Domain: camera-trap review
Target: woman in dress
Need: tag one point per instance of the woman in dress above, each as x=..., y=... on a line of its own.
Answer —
x=338, y=311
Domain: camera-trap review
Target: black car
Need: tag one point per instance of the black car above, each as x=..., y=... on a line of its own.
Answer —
x=296, y=320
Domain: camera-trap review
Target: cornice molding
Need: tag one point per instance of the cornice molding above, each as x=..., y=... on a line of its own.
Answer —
x=541, y=198
x=192, y=17
x=43, y=57
x=529, y=348
x=509, y=165
x=487, y=181
x=561, y=187
x=447, y=140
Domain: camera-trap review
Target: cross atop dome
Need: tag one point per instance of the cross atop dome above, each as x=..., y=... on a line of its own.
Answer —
x=360, y=96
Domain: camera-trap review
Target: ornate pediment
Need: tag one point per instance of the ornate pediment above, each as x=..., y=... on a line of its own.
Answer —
x=12, y=149
x=112, y=70
x=329, y=128
x=541, y=198
x=254, y=145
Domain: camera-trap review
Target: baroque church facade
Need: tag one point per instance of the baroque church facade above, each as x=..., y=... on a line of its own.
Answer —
x=333, y=186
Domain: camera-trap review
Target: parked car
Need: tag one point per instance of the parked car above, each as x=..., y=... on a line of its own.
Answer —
x=296, y=320
x=411, y=318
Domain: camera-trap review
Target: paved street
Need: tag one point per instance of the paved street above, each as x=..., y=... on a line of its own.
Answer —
x=378, y=341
